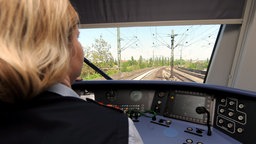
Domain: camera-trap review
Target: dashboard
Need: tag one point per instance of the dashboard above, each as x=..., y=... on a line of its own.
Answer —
x=179, y=112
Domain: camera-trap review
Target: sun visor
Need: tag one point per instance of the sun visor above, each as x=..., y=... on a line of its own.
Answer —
x=118, y=11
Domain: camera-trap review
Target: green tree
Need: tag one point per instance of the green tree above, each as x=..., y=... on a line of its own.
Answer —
x=101, y=55
x=86, y=70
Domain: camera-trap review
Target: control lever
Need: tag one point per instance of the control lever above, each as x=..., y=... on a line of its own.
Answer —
x=202, y=110
x=134, y=115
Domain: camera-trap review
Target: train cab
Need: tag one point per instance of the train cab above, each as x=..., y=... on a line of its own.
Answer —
x=182, y=70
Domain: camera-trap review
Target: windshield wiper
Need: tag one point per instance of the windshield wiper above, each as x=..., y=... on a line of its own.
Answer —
x=97, y=69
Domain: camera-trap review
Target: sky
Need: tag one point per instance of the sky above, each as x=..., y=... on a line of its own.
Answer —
x=194, y=42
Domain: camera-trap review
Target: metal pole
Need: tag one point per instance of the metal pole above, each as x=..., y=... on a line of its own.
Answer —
x=118, y=49
x=172, y=53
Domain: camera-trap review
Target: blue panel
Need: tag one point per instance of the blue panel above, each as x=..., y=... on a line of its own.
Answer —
x=152, y=133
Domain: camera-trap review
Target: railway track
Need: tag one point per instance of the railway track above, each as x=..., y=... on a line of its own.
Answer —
x=178, y=75
x=188, y=76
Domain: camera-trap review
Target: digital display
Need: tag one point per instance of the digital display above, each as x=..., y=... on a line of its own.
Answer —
x=185, y=105
x=137, y=99
x=182, y=105
x=128, y=99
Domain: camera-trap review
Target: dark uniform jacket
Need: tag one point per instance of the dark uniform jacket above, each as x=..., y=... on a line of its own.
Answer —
x=54, y=119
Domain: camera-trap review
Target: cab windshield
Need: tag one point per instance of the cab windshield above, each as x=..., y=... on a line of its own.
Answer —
x=172, y=53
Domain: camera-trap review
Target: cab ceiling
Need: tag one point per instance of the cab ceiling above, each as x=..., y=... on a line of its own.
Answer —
x=120, y=11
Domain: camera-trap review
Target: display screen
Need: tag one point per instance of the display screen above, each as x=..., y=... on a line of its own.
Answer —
x=138, y=99
x=129, y=99
x=185, y=105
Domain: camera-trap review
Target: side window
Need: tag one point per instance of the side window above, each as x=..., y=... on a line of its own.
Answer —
x=174, y=53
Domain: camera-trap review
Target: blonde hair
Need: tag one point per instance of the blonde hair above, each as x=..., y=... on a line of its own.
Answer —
x=34, y=46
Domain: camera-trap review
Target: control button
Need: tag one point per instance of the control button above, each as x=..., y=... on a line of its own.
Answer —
x=161, y=94
x=199, y=131
x=231, y=103
x=153, y=118
x=240, y=118
x=189, y=128
x=221, y=121
x=161, y=120
x=199, y=143
x=190, y=141
x=241, y=106
x=230, y=114
x=240, y=130
x=222, y=110
x=159, y=102
x=223, y=100
x=230, y=125
x=168, y=122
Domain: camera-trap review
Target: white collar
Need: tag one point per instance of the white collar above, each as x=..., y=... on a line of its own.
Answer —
x=63, y=90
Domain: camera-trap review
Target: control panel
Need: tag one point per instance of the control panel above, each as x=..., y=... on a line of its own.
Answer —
x=182, y=105
x=236, y=118
x=127, y=100
x=181, y=114
x=230, y=115
x=178, y=132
